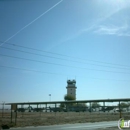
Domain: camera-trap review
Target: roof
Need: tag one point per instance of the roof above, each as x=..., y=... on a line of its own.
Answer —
x=74, y=101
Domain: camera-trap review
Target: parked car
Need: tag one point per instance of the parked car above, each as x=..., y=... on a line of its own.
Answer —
x=38, y=109
x=57, y=109
x=21, y=109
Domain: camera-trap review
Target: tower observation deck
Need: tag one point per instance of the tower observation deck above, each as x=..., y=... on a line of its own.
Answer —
x=71, y=88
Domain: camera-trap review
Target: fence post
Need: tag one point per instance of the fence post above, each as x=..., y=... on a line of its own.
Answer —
x=90, y=107
x=120, y=110
x=16, y=117
x=11, y=116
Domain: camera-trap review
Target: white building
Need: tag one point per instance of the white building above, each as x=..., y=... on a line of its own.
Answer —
x=71, y=88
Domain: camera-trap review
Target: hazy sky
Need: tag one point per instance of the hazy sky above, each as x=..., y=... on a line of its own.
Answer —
x=86, y=40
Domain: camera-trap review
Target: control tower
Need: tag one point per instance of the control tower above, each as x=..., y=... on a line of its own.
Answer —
x=71, y=88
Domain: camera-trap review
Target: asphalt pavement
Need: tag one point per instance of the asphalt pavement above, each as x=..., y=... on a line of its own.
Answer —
x=79, y=126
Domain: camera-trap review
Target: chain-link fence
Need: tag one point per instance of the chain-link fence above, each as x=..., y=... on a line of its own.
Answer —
x=50, y=118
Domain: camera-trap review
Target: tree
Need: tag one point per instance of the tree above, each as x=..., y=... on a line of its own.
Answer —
x=80, y=105
x=124, y=105
x=62, y=105
x=95, y=105
x=68, y=97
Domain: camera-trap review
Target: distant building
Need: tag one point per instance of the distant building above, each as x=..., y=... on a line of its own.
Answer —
x=71, y=88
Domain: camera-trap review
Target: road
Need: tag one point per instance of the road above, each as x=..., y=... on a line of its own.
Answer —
x=79, y=126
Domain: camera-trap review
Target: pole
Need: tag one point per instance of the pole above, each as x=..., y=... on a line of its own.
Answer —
x=15, y=117
x=104, y=106
x=50, y=97
x=46, y=107
x=90, y=107
x=11, y=115
x=120, y=109
x=40, y=110
x=3, y=109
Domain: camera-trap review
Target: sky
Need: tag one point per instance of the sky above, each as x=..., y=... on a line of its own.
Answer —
x=44, y=43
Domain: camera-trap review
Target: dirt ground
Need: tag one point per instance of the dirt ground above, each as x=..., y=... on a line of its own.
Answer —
x=47, y=118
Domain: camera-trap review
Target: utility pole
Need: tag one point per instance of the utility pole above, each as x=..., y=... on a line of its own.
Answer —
x=3, y=103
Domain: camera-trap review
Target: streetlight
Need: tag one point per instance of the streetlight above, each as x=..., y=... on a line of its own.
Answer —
x=50, y=97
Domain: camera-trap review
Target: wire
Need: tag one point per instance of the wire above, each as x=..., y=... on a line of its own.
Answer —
x=60, y=58
x=37, y=71
x=65, y=55
x=61, y=64
x=30, y=70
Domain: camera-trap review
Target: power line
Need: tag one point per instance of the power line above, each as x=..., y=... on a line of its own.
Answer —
x=60, y=64
x=64, y=55
x=30, y=70
x=61, y=58
x=37, y=71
